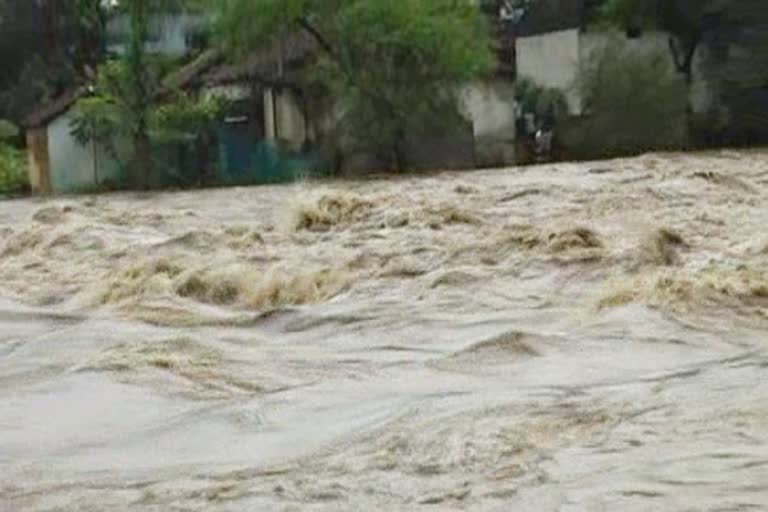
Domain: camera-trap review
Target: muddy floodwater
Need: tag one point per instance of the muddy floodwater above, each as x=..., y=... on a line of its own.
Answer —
x=569, y=337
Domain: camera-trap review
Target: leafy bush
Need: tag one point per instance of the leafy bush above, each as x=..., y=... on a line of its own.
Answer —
x=185, y=117
x=539, y=100
x=8, y=130
x=13, y=171
x=633, y=102
x=628, y=14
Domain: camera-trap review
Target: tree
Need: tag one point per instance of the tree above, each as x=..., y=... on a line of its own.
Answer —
x=47, y=47
x=134, y=83
x=737, y=80
x=125, y=90
x=88, y=19
x=394, y=67
x=138, y=91
x=31, y=72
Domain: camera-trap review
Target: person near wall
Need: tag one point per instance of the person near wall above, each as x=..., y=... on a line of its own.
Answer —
x=545, y=135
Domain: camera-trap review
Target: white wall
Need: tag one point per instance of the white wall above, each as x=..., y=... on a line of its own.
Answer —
x=283, y=118
x=552, y=60
x=72, y=165
x=291, y=125
x=490, y=107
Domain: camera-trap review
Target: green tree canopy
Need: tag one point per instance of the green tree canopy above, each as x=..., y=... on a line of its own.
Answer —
x=394, y=66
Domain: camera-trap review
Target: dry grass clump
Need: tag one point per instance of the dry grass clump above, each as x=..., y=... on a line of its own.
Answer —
x=323, y=211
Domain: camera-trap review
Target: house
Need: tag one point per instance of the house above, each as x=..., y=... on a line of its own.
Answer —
x=57, y=162
x=269, y=131
x=267, y=110
x=273, y=105
x=272, y=128
x=555, y=40
x=266, y=87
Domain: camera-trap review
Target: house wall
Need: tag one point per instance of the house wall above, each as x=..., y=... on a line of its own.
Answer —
x=291, y=124
x=552, y=60
x=555, y=59
x=490, y=107
x=38, y=160
x=74, y=167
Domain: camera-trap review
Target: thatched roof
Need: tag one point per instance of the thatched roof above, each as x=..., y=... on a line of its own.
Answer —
x=207, y=69
x=188, y=76
x=54, y=108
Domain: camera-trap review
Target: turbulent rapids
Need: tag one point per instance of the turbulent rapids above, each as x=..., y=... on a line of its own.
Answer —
x=566, y=337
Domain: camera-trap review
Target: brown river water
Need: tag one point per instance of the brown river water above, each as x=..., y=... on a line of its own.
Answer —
x=567, y=337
